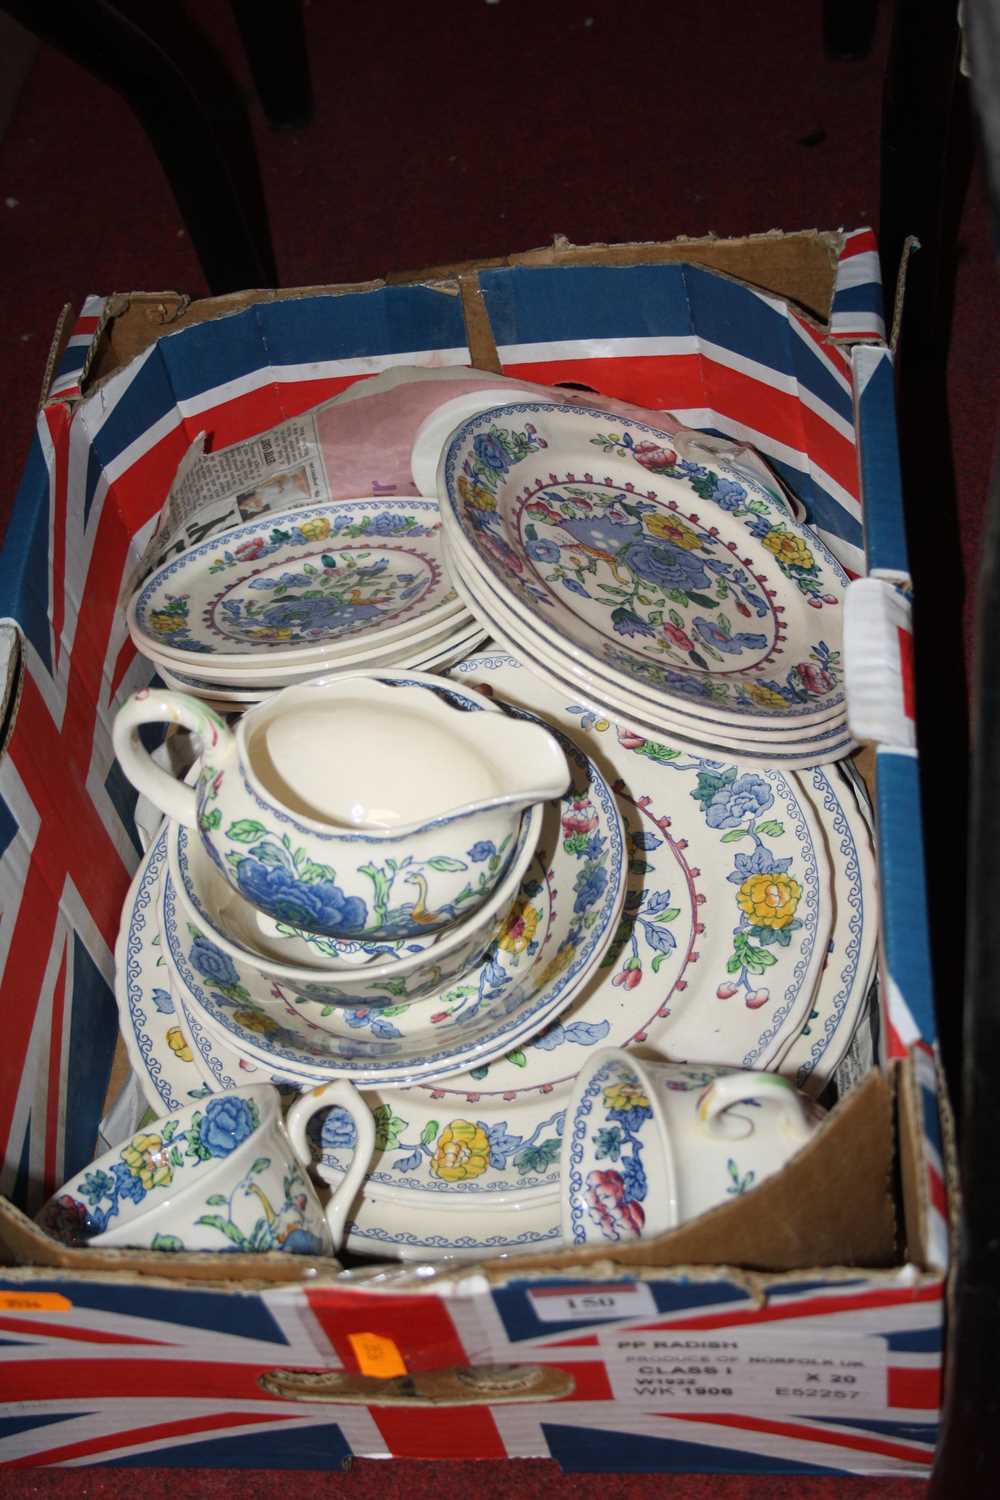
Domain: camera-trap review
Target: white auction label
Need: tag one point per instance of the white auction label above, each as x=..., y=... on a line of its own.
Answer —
x=746, y=1371
x=592, y=1303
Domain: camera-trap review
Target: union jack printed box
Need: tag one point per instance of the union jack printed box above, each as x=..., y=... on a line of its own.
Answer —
x=138, y=1360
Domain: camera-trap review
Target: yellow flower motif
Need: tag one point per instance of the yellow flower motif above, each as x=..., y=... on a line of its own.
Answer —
x=672, y=530
x=475, y=494
x=462, y=1152
x=254, y=1021
x=166, y=624
x=315, y=529
x=625, y=1096
x=788, y=549
x=145, y=1158
x=769, y=900
x=764, y=696
x=519, y=929
x=177, y=1044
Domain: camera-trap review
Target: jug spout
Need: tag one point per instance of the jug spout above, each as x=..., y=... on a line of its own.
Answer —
x=528, y=764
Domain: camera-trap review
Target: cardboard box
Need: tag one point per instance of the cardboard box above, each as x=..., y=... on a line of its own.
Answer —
x=821, y=1350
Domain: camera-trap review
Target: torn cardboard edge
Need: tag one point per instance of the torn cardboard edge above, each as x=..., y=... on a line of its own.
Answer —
x=824, y=1209
x=799, y=266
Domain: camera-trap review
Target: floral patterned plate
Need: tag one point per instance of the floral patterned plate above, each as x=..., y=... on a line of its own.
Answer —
x=799, y=755
x=690, y=719
x=158, y=1048
x=298, y=586
x=559, y=929
x=664, y=570
x=750, y=741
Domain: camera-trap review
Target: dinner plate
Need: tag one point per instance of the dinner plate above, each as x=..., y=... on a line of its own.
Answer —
x=667, y=571
x=435, y=430
x=748, y=740
x=296, y=587
x=592, y=704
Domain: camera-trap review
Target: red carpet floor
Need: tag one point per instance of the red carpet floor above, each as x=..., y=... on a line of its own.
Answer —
x=461, y=130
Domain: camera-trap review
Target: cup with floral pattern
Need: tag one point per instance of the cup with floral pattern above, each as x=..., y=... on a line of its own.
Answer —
x=227, y=1173
x=648, y=1145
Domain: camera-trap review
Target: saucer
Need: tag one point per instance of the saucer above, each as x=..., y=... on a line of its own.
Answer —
x=664, y=571
x=295, y=587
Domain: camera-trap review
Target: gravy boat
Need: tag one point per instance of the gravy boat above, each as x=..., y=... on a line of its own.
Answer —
x=352, y=806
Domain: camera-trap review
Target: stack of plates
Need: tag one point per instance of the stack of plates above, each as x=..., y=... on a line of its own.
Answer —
x=338, y=586
x=748, y=937
x=679, y=595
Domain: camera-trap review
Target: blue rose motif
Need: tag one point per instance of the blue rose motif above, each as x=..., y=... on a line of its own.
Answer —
x=389, y=525
x=667, y=566
x=728, y=494
x=319, y=907
x=227, y=1122
x=627, y=622
x=543, y=552
x=338, y=1130
x=746, y=797
x=212, y=963
x=127, y=1184
x=484, y=849
x=490, y=452
x=589, y=886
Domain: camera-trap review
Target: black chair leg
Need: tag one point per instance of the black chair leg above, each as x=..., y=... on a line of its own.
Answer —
x=192, y=112
x=274, y=39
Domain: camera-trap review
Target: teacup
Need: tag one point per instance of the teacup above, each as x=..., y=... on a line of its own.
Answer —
x=223, y=1174
x=353, y=806
x=648, y=1145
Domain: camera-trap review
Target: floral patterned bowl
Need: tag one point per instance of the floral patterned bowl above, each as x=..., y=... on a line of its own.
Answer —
x=224, y=1174
x=204, y=904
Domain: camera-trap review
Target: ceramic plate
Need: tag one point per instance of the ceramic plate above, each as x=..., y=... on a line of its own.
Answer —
x=689, y=975
x=158, y=1049
x=598, y=709
x=689, y=719
x=435, y=431
x=750, y=741
x=298, y=586
x=664, y=570
x=563, y=922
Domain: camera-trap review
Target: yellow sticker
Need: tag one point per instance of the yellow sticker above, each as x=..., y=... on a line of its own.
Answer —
x=377, y=1355
x=34, y=1302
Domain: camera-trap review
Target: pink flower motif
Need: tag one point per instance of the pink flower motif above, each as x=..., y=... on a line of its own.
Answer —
x=253, y=548
x=441, y=1015
x=727, y=991
x=653, y=457
x=629, y=740
x=616, y=1218
x=678, y=637
x=580, y=817
x=757, y=999
x=814, y=679
x=628, y=978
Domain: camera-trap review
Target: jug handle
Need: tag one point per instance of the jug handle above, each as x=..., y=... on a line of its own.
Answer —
x=343, y=1093
x=158, y=706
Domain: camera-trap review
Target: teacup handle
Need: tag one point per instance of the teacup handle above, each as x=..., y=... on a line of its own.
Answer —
x=158, y=706
x=771, y=1088
x=341, y=1092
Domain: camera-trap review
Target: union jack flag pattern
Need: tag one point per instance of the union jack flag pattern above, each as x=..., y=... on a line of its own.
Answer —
x=113, y=1371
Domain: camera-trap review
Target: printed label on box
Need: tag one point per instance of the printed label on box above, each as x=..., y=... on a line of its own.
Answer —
x=591, y=1303
x=746, y=1371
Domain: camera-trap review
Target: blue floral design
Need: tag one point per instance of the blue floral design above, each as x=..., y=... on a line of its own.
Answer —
x=667, y=566
x=484, y=849
x=760, y=862
x=213, y=964
x=733, y=645
x=226, y=1123
x=589, y=886
x=627, y=622
x=316, y=614
x=543, y=552
x=728, y=495
x=318, y=907
x=490, y=452
x=747, y=796
x=338, y=1130
x=126, y=1184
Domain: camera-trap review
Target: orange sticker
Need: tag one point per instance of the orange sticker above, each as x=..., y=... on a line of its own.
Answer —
x=376, y=1355
x=34, y=1302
